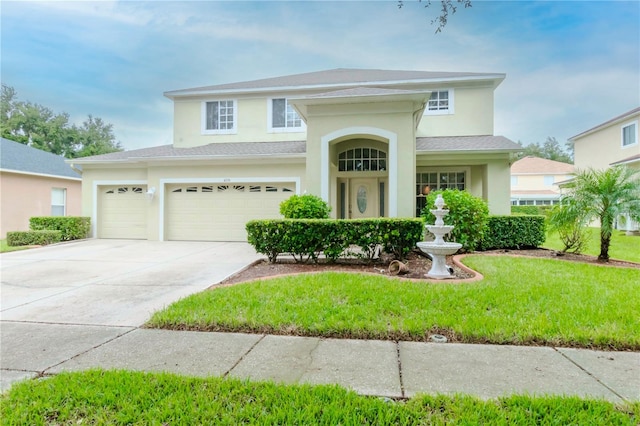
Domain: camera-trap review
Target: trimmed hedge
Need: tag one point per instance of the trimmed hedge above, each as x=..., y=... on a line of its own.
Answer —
x=306, y=239
x=514, y=232
x=33, y=238
x=71, y=227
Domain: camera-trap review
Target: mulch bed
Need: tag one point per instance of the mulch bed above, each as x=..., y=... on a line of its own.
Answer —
x=418, y=265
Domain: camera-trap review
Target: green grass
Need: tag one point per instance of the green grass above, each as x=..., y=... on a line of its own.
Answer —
x=4, y=247
x=521, y=301
x=134, y=398
x=623, y=247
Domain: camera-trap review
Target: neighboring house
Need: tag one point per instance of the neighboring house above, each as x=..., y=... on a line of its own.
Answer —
x=614, y=142
x=534, y=181
x=35, y=183
x=369, y=142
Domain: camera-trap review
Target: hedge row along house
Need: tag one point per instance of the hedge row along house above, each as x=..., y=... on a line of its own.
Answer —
x=369, y=142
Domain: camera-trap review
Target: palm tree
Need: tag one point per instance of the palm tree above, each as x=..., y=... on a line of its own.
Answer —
x=604, y=195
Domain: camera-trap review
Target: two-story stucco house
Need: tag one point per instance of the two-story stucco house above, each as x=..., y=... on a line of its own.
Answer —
x=366, y=141
x=612, y=142
x=534, y=181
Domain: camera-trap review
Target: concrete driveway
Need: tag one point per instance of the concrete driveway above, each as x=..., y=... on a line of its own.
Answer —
x=111, y=282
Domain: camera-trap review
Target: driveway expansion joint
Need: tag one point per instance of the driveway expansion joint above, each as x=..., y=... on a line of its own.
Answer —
x=402, y=394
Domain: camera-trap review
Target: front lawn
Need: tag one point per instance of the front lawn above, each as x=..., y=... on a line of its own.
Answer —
x=134, y=398
x=623, y=247
x=4, y=247
x=521, y=301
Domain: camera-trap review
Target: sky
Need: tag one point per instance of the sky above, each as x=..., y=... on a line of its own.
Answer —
x=569, y=65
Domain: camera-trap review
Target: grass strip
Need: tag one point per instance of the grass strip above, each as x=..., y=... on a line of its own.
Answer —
x=521, y=301
x=136, y=398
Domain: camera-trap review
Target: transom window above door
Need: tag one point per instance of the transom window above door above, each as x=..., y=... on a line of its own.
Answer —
x=362, y=160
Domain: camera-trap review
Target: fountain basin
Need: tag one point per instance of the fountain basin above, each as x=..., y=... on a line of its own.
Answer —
x=439, y=269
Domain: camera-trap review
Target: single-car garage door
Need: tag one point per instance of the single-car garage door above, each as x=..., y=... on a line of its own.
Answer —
x=122, y=212
x=219, y=212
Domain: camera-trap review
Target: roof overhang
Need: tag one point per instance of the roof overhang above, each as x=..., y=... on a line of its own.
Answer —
x=21, y=172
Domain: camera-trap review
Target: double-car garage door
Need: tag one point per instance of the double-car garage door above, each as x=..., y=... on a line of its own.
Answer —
x=192, y=212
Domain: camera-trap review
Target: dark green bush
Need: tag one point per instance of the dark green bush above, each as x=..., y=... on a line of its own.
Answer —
x=306, y=239
x=467, y=213
x=71, y=227
x=33, y=238
x=514, y=232
x=305, y=206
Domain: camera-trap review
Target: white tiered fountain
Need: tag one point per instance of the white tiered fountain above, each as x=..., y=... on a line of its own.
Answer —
x=438, y=249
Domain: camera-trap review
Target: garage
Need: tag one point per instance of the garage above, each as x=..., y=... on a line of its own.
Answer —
x=219, y=212
x=123, y=212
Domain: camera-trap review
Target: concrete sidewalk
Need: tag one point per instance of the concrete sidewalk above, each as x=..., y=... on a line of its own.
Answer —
x=379, y=368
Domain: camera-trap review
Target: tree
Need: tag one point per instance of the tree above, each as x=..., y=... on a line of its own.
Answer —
x=604, y=195
x=446, y=7
x=39, y=127
x=550, y=149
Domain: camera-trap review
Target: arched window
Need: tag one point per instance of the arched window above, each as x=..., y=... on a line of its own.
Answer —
x=362, y=160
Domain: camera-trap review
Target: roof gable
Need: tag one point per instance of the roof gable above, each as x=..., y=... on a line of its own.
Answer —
x=22, y=158
x=337, y=78
x=619, y=118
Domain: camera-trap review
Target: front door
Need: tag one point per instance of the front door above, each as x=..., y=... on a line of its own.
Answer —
x=363, y=198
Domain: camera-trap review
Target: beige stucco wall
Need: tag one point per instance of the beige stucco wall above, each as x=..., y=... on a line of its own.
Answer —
x=157, y=175
x=536, y=182
x=473, y=115
x=603, y=147
x=23, y=196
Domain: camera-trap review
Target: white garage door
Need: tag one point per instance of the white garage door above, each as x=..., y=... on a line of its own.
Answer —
x=122, y=212
x=219, y=212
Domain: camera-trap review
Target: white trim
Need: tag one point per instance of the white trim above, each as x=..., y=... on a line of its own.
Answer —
x=165, y=181
x=94, y=201
x=622, y=127
x=362, y=130
x=79, y=179
x=203, y=118
x=449, y=111
x=271, y=129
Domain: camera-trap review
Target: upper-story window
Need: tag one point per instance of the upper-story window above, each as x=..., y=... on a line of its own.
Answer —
x=630, y=134
x=282, y=116
x=549, y=180
x=440, y=102
x=219, y=117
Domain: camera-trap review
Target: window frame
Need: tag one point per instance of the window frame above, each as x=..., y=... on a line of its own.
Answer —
x=64, y=202
x=203, y=118
x=633, y=124
x=438, y=171
x=450, y=109
x=285, y=129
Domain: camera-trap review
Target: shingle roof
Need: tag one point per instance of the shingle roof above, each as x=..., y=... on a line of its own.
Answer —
x=607, y=123
x=213, y=150
x=339, y=77
x=18, y=157
x=536, y=165
x=291, y=149
x=466, y=143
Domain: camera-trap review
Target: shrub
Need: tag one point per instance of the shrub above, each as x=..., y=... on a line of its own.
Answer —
x=33, y=238
x=570, y=228
x=305, y=206
x=71, y=227
x=514, y=232
x=306, y=239
x=532, y=210
x=467, y=213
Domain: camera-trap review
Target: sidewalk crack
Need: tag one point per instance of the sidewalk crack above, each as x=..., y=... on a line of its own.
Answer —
x=244, y=355
x=400, y=370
